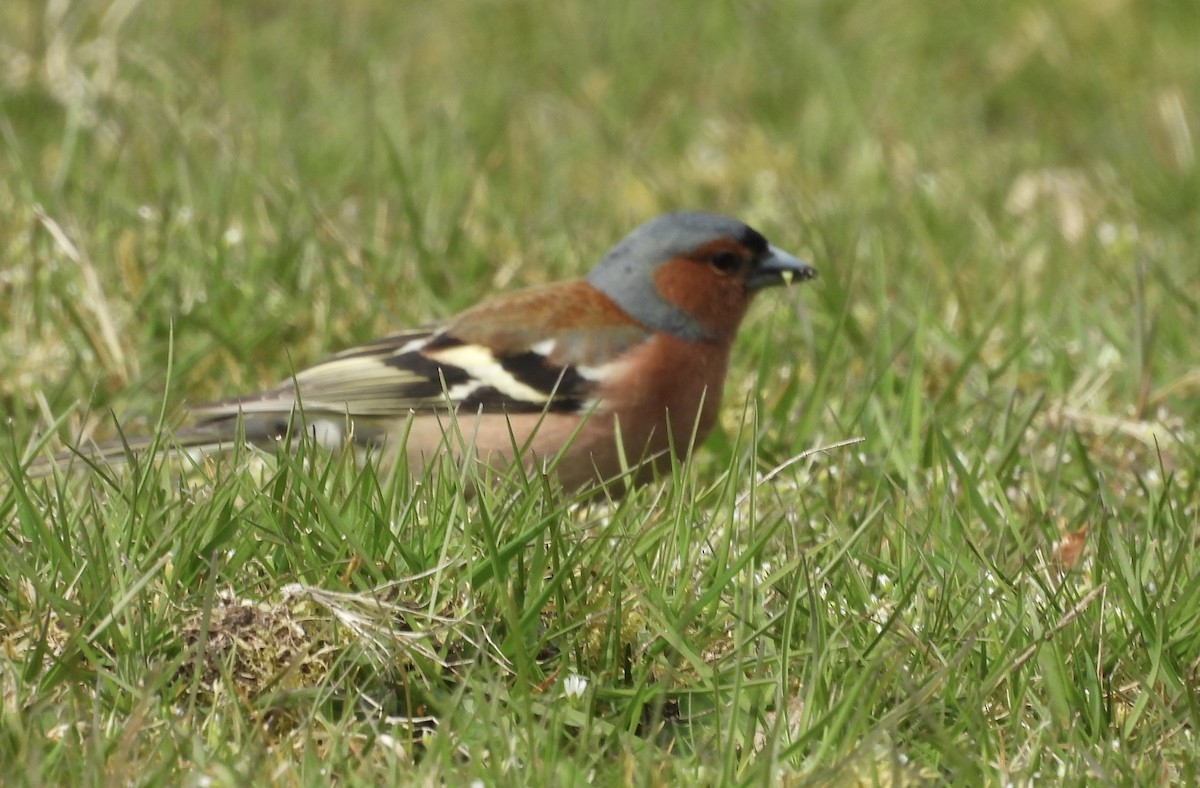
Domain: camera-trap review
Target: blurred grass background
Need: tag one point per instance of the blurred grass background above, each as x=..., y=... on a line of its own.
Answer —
x=1002, y=199
x=303, y=163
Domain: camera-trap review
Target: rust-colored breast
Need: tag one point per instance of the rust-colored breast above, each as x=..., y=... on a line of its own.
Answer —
x=667, y=384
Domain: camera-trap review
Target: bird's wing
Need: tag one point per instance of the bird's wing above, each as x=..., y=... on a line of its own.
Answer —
x=539, y=350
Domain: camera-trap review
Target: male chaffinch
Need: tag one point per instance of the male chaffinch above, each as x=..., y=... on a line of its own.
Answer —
x=588, y=376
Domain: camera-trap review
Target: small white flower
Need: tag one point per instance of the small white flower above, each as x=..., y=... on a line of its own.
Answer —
x=574, y=686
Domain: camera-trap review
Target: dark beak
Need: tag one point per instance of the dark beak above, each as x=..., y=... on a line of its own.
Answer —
x=778, y=268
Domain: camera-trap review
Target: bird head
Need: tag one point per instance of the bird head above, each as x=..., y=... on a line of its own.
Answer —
x=693, y=274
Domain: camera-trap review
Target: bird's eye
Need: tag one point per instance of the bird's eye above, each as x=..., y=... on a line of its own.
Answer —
x=726, y=262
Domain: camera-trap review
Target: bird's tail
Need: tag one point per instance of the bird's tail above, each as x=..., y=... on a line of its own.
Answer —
x=211, y=436
x=187, y=442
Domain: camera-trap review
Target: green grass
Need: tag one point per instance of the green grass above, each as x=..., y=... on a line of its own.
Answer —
x=1003, y=201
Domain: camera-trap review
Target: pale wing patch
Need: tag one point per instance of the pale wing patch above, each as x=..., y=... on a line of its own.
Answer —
x=479, y=363
x=598, y=373
x=387, y=347
x=463, y=390
x=358, y=384
x=362, y=370
x=544, y=348
x=412, y=346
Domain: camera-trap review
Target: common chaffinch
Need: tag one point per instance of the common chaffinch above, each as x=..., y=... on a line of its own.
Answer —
x=587, y=377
